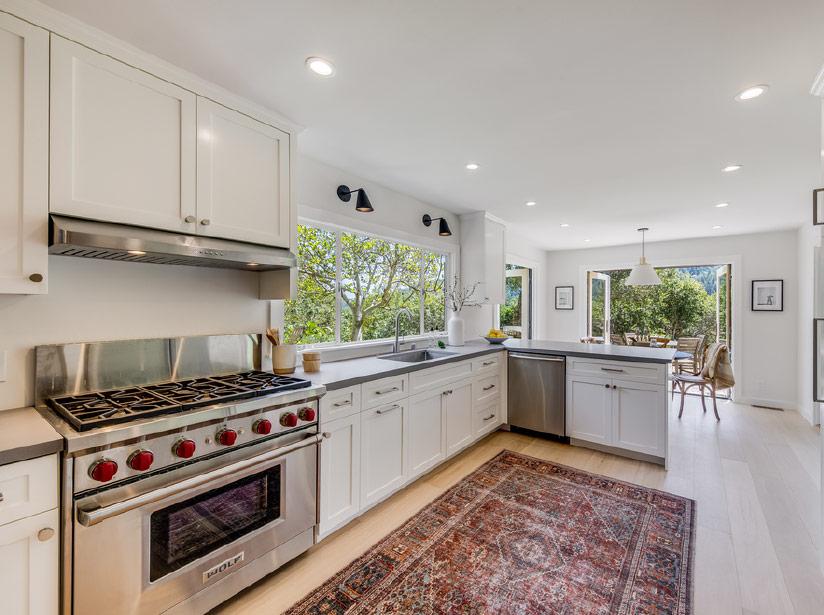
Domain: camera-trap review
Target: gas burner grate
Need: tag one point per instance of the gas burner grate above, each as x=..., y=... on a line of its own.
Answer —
x=106, y=407
x=97, y=409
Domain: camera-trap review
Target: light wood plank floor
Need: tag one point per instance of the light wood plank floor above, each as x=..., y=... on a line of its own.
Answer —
x=755, y=476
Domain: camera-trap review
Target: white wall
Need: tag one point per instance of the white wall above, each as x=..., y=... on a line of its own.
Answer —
x=765, y=343
x=808, y=241
x=91, y=300
x=396, y=214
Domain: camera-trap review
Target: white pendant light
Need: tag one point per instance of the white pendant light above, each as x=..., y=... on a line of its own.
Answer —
x=643, y=274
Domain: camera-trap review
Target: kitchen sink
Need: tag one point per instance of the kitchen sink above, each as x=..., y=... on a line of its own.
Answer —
x=417, y=356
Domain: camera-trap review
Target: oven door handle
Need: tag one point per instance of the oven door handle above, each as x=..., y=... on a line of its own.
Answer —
x=98, y=515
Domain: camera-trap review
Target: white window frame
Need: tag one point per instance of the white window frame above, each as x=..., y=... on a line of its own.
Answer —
x=450, y=252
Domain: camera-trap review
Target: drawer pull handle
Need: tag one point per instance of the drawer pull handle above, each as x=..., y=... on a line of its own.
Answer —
x=488, y=363
x=190, y=219
x=1, y=496
x=385, y=391
x=612, y=369
x=205, y=222
x=447, y=392
x=489, y=387
x=45, y=534
x=339, y=404
x=388, y=410
x=489, y=418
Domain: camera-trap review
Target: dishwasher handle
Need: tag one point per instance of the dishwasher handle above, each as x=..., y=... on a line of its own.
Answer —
x=551, y=359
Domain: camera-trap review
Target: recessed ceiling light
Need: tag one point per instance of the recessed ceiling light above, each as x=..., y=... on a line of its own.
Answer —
x=731, y=167
x=587, y=240
x=531, y=203
x=716, y=227
x=753, y=92
x=721, y=205
x=136, y=252
x=565, y=225
x=251, y=264
x=321, y=67
x=472, y=166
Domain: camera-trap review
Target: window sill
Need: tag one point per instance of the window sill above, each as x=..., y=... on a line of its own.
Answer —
x=355, y=350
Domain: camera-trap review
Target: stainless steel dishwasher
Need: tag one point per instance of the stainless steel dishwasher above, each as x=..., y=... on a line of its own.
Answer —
x=537, y=392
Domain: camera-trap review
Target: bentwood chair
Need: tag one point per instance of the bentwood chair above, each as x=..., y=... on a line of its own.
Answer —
x=707, y=380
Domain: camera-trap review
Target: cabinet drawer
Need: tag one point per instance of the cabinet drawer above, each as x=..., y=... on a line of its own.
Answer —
x=487, y=418
x=385, y=390
x=486, y=389
x=487, y=364
x=340, y=404
x=435, y=377
x=626, y=370
x=28, y=488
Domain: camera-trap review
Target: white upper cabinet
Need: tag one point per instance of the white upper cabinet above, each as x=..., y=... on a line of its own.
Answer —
x=242, y=177
x=24, y=147
x=122, y=142
x=483, y=256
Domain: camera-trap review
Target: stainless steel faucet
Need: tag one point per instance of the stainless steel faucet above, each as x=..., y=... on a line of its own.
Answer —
x=408, y=312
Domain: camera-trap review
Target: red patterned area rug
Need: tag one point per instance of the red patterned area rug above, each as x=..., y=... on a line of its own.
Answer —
x=526, y=536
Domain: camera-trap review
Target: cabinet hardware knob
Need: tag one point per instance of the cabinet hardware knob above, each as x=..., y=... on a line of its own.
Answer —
x=189, y=219
x=489, y=388
x=205, y=222
x=36, y=277
x=45, y=534
x=606, y=385
x=614, y=386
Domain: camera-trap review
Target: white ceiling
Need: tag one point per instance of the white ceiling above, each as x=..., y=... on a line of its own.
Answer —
x=611, y=115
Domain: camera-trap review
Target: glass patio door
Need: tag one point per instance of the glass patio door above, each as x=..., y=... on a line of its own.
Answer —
x=598, y=318
x=515, y=316
x=723, y=332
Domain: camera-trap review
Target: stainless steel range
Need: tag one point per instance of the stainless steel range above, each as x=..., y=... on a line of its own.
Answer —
x=189, y=473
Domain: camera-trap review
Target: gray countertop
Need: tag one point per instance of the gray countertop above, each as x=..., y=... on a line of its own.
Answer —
x=341, y=374
x=24, y=434
x=600, y=351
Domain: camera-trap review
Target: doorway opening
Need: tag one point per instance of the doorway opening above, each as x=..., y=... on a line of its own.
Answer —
x=514, y=316
x=689, y=302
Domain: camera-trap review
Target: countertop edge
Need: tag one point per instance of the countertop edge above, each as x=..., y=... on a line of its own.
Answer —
x=406, y=368
x=594, y=355
x=27, y=421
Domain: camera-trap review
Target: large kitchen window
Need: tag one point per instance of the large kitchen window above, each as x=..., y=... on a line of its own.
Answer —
x=350, y=286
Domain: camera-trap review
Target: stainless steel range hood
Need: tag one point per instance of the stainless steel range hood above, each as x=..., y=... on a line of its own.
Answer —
x=104, y=240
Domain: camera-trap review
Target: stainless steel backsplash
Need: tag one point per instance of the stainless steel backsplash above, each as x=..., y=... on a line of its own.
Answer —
x=73, y=369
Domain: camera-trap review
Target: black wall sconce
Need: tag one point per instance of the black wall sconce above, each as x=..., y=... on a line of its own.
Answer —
x=443, y=227
x=362, y=204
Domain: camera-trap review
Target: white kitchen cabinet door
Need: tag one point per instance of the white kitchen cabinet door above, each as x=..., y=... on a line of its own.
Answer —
x=483, y=256
x=588, y=406
x=383, y=450
x=340, y=473
x=122, y=142
x=459, y=432
x=638, y=415
x=242, y=177
x=24, y=154
x=29, y=559
x=427, y=437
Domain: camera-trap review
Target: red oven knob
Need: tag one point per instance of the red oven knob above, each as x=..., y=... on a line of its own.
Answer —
x=262, y=426
x=307, y=414
x=103, y=470
x=227, y=437
x=140, y=460
x=289, y=419
x=184, y=448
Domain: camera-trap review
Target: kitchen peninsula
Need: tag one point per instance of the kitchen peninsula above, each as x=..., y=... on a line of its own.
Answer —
x=616, y=396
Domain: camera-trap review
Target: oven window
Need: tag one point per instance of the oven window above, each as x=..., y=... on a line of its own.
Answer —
x=192, y=529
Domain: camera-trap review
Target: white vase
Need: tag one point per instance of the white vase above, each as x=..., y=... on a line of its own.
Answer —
x=455, y=329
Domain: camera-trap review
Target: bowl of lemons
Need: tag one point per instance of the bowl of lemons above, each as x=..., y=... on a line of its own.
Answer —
x=496, y=336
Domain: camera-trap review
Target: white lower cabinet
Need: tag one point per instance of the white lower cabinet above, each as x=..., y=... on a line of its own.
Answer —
x=427, y=436
x=458, y=411
x=589, y=400
x=638, y=417
x=384, y=437
x=340, y=473
x=619, y=413
x=29, y=558
x=381, y=438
